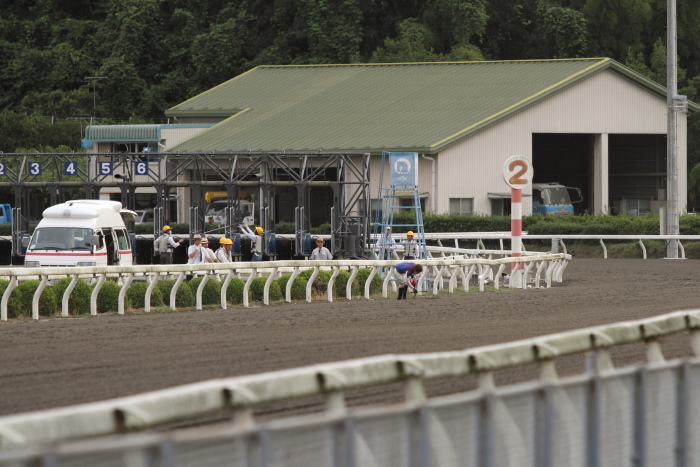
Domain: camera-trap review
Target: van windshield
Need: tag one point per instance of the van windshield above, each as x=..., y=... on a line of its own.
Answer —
x=61, y=238
x=556, y=196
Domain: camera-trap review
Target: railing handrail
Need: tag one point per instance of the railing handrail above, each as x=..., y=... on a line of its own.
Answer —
x=241, y=393
x=455, y=264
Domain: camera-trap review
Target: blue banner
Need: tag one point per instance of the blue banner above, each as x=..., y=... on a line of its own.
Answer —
x=404, y=168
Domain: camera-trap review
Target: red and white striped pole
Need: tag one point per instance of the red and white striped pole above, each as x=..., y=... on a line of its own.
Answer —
x=517, y=172
x=516, y=227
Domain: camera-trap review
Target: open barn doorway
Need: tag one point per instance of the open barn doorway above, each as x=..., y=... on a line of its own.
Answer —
x=637, y=173
x=567, y=159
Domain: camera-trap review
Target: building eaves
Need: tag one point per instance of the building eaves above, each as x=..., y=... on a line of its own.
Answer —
x=419, y=107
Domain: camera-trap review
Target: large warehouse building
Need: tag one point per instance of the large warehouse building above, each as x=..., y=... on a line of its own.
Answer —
x=593, y=124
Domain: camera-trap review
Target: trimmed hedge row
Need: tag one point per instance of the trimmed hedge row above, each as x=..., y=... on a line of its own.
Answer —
x=540, y=225
x=607, y=225
x=50, y=302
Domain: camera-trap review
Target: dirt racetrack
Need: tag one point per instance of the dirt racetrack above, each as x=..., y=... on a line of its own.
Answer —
x=59, y=362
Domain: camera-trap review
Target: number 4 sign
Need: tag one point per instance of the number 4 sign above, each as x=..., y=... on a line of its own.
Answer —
x=70, y=168
x=517, y=172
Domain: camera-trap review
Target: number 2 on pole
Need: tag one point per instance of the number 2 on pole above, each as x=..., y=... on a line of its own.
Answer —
x=516, y=178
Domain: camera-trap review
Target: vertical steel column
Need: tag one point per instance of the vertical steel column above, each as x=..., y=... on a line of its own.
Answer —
x=672, y=221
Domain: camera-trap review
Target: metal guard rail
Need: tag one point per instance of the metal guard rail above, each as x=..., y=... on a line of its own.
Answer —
x=239, y=395
x=462, y=264
x=559, y=239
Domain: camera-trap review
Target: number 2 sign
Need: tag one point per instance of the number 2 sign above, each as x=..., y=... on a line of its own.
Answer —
x=517, y=172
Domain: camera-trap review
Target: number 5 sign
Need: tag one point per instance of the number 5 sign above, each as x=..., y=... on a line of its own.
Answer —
x=517, y=171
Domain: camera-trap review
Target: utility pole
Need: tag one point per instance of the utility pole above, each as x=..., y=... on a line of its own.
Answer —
x=94, y=80
x=675, y=104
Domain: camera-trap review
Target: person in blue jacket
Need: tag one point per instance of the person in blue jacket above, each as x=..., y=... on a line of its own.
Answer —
x=404, y=274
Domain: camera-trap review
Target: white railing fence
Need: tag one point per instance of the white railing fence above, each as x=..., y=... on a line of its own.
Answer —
x=557, y=241
x=607, y=416
x=444, y=273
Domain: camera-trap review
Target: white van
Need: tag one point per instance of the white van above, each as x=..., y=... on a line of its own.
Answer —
x=81, y=233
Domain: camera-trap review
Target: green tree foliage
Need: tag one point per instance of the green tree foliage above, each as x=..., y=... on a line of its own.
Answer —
x=155, y=54
x=534, y=29
x=614, y=26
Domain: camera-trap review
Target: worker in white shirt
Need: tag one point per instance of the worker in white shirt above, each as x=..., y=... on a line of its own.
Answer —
x=194, y=251
x=321, y=252
x=223, y=254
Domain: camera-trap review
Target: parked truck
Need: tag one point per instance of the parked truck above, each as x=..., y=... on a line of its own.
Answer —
x=217, y=201
x=553, y=199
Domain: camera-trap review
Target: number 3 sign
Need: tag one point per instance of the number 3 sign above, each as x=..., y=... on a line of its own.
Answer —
x=517, y=171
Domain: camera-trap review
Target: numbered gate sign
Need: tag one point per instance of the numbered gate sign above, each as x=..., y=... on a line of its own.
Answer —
x=70, y=168
x=3, y=168
x=35, y=168
x=141, y=167
x=517, y=172
x=106, y=168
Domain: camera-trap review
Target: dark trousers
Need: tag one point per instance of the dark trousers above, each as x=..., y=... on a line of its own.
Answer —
x=166, y=258
x=402, y=292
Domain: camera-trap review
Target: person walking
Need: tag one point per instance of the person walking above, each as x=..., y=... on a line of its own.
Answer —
x=386, y=244
x=256, y=240
x=405, y=273
x=410, y=250
x=165, y=244
x=223, y=254
x=321, y=252
x=195, y=254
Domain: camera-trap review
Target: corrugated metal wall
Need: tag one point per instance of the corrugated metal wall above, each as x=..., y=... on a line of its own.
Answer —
x=171, y=137
x=603, y=103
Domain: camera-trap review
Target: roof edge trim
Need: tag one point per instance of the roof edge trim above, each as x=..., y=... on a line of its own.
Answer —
x=518, y=105
x=650, y=84
x=174, y=148
x=211, y=89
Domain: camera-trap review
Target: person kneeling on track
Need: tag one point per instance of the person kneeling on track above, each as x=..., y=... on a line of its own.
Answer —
x=405, y=275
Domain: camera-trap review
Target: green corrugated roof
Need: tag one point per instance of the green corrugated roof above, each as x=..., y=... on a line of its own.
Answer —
x=141, y=133
x=377, y=107
x=122, y=133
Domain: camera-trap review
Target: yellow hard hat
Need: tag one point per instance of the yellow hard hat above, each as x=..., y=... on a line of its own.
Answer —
x=259, y=230
x=410, y=232
x=166, y=228
x=225, y=241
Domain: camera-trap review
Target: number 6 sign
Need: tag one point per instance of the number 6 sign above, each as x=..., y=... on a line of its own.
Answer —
x=517, y=171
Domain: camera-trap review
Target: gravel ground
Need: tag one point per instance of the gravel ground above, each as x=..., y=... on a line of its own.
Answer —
x=59, y=362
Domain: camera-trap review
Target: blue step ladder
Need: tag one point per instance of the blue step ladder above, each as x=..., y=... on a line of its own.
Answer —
x=403, y=167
